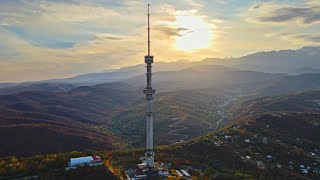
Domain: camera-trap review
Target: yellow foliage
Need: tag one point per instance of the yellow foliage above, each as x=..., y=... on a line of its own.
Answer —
x=14, y=160
x=106, y=163
x=116, y=171
x=172, y=171
x=170, y=177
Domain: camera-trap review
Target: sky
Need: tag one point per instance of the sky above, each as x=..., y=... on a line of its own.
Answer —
x=46, y=39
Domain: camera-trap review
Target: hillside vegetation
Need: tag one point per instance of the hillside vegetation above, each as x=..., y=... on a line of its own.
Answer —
x=271, y=138
x=278, y=144
x=52, y=167
x=308, y=101
x=178, y=116
x=42, y=122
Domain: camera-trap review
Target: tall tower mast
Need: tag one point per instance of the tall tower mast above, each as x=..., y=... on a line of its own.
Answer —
x=149, y=91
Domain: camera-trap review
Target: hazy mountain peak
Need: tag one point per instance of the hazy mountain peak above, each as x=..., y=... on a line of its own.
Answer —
x=311, y=50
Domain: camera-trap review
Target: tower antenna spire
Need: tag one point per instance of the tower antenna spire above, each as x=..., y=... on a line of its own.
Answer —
x=148, y=31
x=149, y=91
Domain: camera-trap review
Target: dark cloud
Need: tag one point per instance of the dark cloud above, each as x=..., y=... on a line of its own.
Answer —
x=256, y=6
x=308, y=38
x=170, y=31
x=115, y=38
x=112, y=38
x=307, y=15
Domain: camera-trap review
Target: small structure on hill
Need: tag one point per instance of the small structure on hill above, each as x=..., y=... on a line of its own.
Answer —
x=265, y=140
x=269, y=157
x=279, y=166
x=260, y=165
x=82, y=161
x=185, y=173
x=218, y=144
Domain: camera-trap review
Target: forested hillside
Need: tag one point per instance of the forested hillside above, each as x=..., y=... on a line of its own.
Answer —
x=266, y=146
x=43, y=122
x=178, y=116
x=308, y=101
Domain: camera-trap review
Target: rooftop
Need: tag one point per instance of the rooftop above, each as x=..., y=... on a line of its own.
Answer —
x=81, y=159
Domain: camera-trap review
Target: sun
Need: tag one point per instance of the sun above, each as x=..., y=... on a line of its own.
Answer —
x=198, y=33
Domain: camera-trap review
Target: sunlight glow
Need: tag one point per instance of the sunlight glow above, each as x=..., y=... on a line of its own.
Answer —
x=197, y=36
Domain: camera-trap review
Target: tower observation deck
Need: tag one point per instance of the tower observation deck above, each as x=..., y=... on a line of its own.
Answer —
x=149, y=91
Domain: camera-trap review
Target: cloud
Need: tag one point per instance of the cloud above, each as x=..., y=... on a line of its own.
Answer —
x=170, y=31
x=41, y=39
x=304, y=15
x=271, y=12
x=58, y=38
x=109, y=37
x=307, y=38
x=255, y=6
x=43, y=21
x=297, y=38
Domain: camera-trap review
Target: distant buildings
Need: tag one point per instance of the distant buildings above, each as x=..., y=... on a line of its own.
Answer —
x=184, y=172
x=265, y=140
x=218, y=144
x=304, y=170
x=260, y=165
x=317, y=170
x=279, y=166
x=269, y=157
x=82, y=161
x=179, y=174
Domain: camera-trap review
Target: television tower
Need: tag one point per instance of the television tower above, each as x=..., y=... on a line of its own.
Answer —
x=149, y=91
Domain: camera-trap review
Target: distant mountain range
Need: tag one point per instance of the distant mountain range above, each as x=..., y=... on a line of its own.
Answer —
x=123, y=73
x=298, y=61
x=304, y=60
